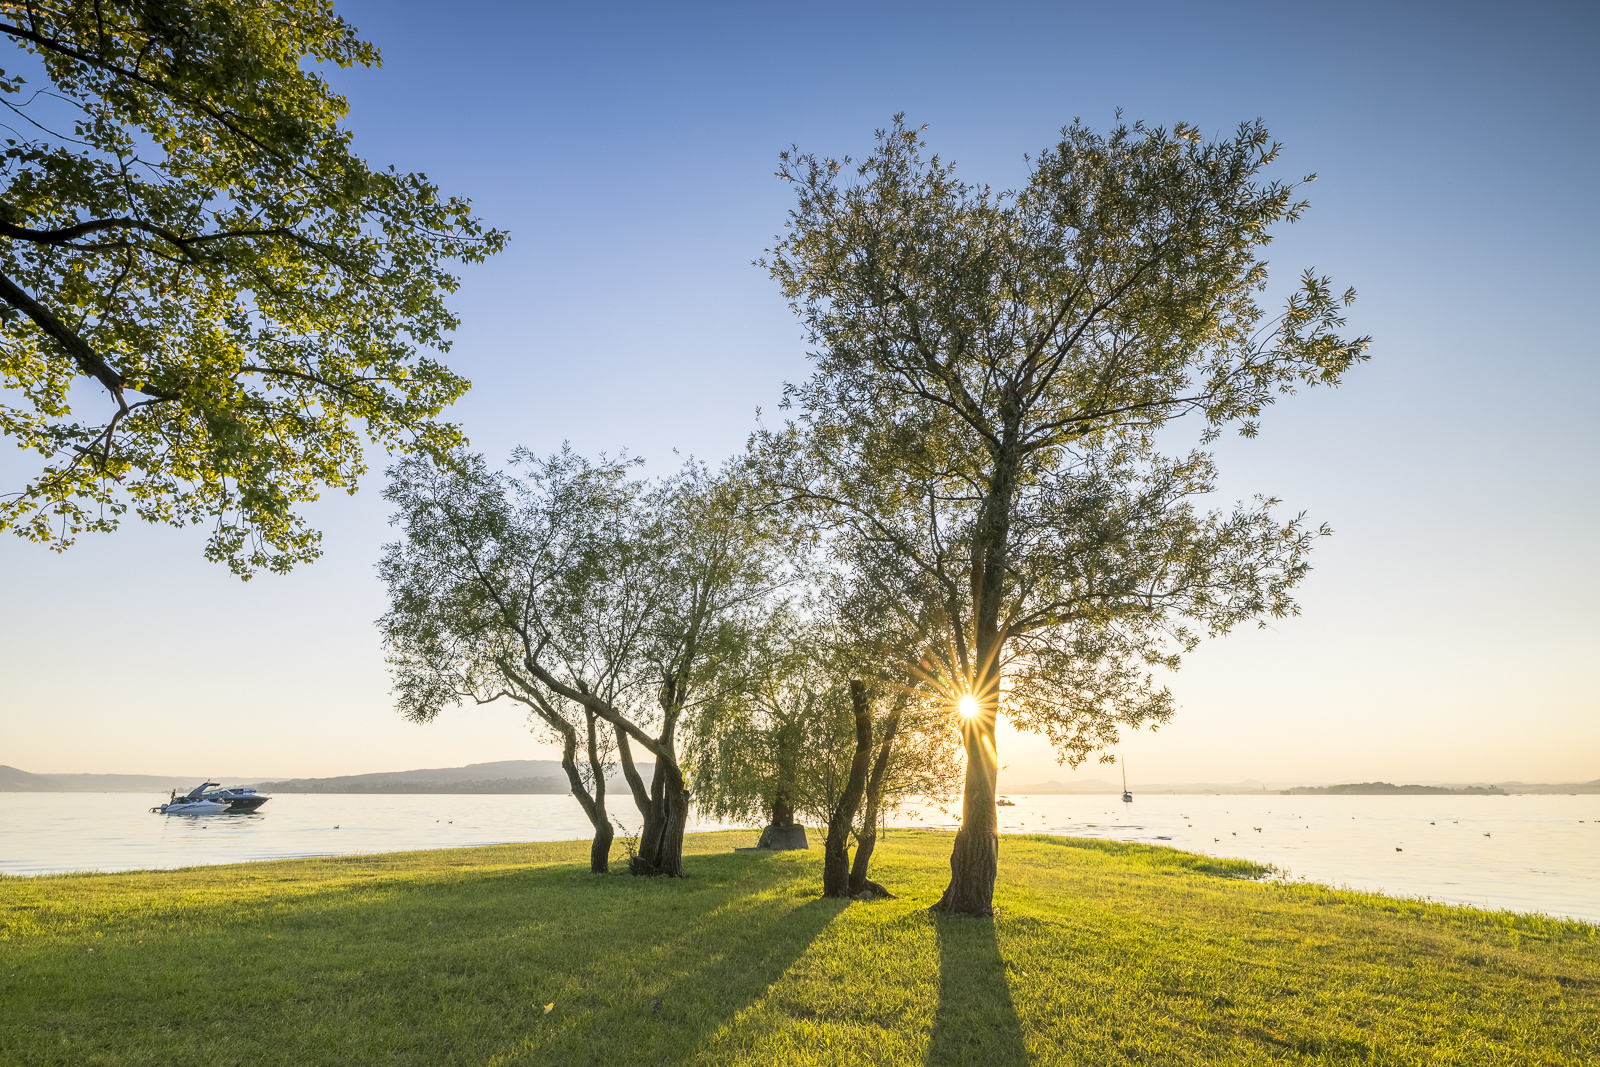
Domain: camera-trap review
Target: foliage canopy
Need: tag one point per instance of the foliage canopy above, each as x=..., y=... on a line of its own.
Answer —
x=191, y=252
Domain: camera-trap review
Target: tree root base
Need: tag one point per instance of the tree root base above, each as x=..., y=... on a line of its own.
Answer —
x=976, y=913
x=640, y=869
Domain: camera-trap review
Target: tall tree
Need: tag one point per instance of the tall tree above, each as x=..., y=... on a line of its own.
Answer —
x=584, y=586
x=187, y=237
x=997, y=377
x=487, y=563
x=724, y=563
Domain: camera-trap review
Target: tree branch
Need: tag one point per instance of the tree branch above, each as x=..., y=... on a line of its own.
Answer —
x=88, y=360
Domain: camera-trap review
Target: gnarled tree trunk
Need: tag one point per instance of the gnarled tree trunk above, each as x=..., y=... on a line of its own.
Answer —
x=867, y=839
x=665, y=810
x=836, y=852
x=661, y=847
x=593, y=804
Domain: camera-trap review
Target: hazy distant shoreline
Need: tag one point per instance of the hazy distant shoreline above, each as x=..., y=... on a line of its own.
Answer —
x=547, y=777
x=1284, y=789
x=504, y=776
x=1370, y=789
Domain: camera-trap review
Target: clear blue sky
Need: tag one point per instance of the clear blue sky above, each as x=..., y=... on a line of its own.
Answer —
x=1450, y=626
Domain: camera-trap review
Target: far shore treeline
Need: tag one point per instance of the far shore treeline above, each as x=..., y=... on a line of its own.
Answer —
x=994, y=492
x=1386, y=788
x=480, y=778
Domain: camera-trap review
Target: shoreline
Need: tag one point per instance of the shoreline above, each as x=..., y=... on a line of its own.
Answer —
x=1268, y=874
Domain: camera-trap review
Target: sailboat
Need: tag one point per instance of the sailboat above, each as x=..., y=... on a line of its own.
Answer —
x=1127, y=797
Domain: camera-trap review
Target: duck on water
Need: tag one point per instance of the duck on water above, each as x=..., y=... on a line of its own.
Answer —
x=199, y=802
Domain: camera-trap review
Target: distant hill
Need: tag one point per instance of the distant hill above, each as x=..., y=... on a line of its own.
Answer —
x=503, y=776
x=14, y=781
x=1390, y=789
x=1558, y=787
x=1095, y=787
x=546, y=776
x=393, y=785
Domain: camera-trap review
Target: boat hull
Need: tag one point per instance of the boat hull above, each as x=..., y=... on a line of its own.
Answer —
x=192, y=807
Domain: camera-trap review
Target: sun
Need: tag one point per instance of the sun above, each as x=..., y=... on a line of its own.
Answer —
x=968, y=705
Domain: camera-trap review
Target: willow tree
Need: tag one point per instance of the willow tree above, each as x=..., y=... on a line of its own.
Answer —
x=724, y=564
x=489, y=561
x=208, y=302
x=999, y=380
x=813, y=729
x=567, y=584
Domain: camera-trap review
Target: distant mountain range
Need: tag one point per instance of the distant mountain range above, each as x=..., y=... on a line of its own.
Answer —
x=1390, y=789
x=15, y=781
x=1097, y=787
x=504, y=776
x=546, y=776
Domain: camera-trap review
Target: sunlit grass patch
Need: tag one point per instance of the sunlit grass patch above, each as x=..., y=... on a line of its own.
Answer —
x=1100, y=953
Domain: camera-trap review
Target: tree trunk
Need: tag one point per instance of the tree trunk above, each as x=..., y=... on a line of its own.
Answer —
x=836, y=852
x=976, y=854
x=665, y=810
x=594, y=805
x=600, y=849
x=780, y=833
x=630, y=773
x=661, y=843
x=867, y=839
x=782, y=810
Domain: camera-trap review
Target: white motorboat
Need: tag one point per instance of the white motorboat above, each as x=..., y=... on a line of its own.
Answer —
x=185, y=806
x=194, y=802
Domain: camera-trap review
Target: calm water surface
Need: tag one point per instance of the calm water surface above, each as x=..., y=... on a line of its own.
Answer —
x=47, y=833
x=1524, y=853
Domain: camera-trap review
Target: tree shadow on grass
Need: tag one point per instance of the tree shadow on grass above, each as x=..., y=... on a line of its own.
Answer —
x=697, y=957
x=976, y=1022
x=449, y=970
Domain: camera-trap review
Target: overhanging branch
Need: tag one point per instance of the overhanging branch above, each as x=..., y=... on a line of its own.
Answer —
x=87, y=359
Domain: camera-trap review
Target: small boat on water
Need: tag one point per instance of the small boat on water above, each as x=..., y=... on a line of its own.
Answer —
x=200, y=802
x=188, y=806
x=239, y=798
x=1127, y=797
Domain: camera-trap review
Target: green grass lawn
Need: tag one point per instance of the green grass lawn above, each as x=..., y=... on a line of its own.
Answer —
x=1101, y=954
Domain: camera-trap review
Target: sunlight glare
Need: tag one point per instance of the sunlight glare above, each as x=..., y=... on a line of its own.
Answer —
x=968, y=705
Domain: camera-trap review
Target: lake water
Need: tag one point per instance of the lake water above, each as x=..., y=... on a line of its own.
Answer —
x=1523, y=853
